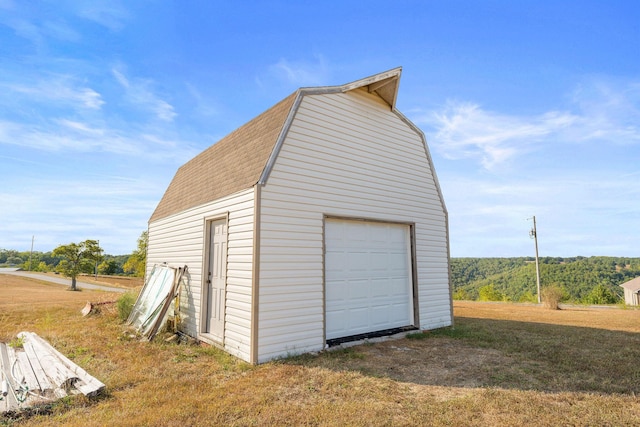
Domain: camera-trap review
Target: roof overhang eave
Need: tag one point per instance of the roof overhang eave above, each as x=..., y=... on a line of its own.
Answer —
x=385, y=84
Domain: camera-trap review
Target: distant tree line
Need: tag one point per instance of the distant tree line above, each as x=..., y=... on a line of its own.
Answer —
x=47, y=261
x=57, y=260
x=591, y=280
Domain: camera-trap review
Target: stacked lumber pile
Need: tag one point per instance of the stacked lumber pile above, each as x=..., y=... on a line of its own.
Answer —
x=36, y=373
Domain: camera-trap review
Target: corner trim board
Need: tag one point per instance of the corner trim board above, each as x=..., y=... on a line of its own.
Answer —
x=255, y=275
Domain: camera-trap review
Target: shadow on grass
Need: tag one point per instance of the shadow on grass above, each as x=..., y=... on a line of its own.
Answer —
x=499, y=353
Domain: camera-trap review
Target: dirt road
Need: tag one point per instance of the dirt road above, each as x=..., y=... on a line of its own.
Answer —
x=63, y=281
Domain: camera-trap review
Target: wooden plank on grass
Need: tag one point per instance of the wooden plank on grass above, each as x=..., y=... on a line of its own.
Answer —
x=26, y=394
x=87, y=384
x=41, y=376
x=11, y=403
x=30, y=378
x=58, y=376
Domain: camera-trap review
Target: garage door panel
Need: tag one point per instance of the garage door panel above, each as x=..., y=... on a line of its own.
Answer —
x=397, y=312
x=379, y=260
x=358, y=317
x=335, y=261
x=367, y=277
x=356, y=237
x=379, y=320
x=357, y=290
x=380, y=288
x=397, y=286
x=357, y=261
x=396, y=262
x=340, y=318
x=332, y=295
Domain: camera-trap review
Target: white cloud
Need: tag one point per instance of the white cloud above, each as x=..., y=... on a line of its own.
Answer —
x=60, y=30
x=37, y=26
x=81, y=127
x=64, y=113
x=488, y=214
x=76, y=136
x=203, y=106
x=601, y=111
x=301, y=73
x=112, y=209
x=610, y=110
x=108, y=13
x=59, y=89
x=164, y=110
x=465, y=130
x=139, y=93
x=27, y=30
x=90, y=98
x=64, y=135
x=124, y=82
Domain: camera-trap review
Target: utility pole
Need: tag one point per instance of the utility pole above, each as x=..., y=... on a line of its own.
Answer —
x=31, y=253
x=534, y=235
x=96, y=271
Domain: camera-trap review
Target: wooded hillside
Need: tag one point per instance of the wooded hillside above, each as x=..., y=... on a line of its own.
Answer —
x=514, y=279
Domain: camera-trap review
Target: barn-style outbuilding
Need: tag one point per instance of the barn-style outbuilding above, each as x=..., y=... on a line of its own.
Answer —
x=319, y=221
x=632, y=291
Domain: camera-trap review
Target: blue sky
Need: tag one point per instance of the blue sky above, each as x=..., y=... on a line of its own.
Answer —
x=529, y=108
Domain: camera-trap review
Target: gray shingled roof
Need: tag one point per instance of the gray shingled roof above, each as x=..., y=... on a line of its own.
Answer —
x=232, y=164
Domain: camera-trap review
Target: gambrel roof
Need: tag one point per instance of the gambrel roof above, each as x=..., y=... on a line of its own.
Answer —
x=243, y=158
x=232, y=164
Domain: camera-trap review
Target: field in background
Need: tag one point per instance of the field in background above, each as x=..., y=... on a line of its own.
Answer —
x=128, y=282
x=503, y=364
x=118, y=281
x=19, y=294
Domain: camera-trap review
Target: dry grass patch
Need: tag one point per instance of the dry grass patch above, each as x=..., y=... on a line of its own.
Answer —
x=16, y=292
x=117, y=281
x=610, y=318
x=492, y=369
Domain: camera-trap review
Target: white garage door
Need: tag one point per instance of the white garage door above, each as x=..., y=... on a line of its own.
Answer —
x=368, y=285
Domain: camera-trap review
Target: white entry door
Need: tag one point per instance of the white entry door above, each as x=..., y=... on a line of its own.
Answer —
x=216, y=278
x=368, y=279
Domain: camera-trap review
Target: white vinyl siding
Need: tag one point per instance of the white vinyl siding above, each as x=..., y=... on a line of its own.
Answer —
x=345, y=155
x=631, y=297
x=180, y=240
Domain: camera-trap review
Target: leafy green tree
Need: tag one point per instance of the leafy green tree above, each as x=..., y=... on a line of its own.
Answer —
x=601, y=295
x=515, y=278
x=137, y=262
x=108, y=267
x=5, y=254
x=78, y=258
x=489, y=293
x=528, y=297
x=461, y=295
x=14, y=260
x=42, y=267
